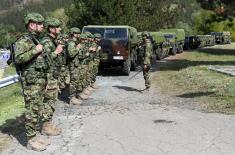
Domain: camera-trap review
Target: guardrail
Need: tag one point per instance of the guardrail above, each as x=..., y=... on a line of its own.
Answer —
x=8, y=81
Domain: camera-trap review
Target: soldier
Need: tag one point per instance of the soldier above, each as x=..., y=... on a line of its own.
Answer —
x=77, y=72
x=147, y=54
x=87, y=89
x=32, y=69
x=64, y=78
x=54, y=49
x=96, y=59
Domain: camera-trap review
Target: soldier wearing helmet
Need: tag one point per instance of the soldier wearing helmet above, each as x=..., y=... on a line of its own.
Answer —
x=54, y=50
x=97, y=39
x=76, y=50
x=32, y=68
x=146, y=58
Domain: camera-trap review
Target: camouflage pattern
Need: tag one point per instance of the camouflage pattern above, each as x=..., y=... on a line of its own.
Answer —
x=54, y=22
x=36, y=17
x=33, y=79
x=63, y=68
x=74, y=30
x=147, y=48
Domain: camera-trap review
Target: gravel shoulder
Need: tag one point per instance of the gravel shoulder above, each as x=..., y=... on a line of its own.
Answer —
x=119, y=119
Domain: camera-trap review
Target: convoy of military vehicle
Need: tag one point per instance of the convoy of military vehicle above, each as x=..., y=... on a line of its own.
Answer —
x=120, y=44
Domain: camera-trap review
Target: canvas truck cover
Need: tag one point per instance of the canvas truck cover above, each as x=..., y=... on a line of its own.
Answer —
x=180, y=33
x=132, y=32
x=158, y=37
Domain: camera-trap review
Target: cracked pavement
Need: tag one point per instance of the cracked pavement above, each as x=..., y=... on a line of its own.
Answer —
x=119, y=119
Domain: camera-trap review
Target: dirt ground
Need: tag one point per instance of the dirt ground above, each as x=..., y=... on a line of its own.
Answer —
x=120, y=119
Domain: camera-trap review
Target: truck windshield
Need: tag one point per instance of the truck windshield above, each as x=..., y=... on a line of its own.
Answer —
x=109, y=33
x=169, y=36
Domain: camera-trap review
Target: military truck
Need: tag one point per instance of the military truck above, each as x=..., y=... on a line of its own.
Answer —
x=171, y=38
x=222, y=37
x=191, y=42
x=203, y=40
x=118, y=46
x=180, y=37
x=161, y=46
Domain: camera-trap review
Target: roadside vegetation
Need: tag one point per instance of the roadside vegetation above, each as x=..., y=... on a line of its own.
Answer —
x=188, y=76
x=11, y=100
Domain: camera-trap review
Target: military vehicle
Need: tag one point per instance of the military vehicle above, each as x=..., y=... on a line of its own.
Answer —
x=191, y=42
x=202, y=40
x=222, y=37
x=180, y=37
x=161, y=46
x=171, y=38
x=118, y=46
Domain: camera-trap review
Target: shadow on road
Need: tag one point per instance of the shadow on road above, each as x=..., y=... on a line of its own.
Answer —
x=195, y=94
x=217, y=51
x=128, y=88
x=16, y=128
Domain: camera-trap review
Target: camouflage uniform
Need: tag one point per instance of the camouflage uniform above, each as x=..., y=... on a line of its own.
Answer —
x=76, y=74
x=64, y=77
x=49, y=44
x=147, y=49
x=96, y=58
x=33, y=78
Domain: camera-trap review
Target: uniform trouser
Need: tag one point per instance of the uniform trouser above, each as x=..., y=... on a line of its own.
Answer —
x=76, y=80
x=51, y=95
x=64, y=78
x=95, y=70
x=85, y=75
x=146, y=75
x=33, y=84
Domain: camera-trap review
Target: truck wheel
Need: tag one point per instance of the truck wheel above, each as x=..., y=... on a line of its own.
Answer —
x=126, y=67
x=173, y=50
x=180, y=49
x=160, y=54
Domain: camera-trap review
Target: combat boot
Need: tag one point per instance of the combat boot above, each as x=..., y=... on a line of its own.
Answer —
x=95, y=86
x=83, y=96
x=89, y=88
x=36, y=144
x=75, y=101
x=50, y=130
x=86, y=92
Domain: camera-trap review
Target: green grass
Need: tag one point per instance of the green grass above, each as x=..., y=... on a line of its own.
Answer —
x=11, y=100
x=189, y=77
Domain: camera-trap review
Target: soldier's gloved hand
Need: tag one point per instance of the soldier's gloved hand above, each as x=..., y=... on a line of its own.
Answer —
x=59, y=49
x=39, y=48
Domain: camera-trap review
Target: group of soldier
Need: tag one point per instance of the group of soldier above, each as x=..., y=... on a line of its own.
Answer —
x=48, y=62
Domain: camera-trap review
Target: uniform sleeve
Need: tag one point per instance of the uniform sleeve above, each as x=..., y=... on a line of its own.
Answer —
x=72, y=50
x=25, y=50
x=47, y=46
x=148, y=54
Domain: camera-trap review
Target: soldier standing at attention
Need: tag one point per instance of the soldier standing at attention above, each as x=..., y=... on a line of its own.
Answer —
x=54, y=50
x=75, y=67
x=32, y=69
x=97, y=37
x=147, y=54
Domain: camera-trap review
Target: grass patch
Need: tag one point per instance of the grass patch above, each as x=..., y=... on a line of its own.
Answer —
x=11, y=99
x=188, y=76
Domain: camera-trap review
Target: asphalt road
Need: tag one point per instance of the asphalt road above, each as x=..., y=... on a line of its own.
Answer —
x=119, y=119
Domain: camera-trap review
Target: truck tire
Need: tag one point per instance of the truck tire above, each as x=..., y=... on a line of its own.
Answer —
x=173, y=50
x=126, y=68
x=160, y=54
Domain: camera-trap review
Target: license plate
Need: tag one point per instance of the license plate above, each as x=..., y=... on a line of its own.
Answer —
x=118, y=57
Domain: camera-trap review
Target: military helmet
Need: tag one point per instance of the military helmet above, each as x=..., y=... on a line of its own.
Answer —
x=54, y=22
x=97, y=35
x=75, y=30
x=145, y=34
x=89, y=34
x=83, y=36
x=35, y=17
